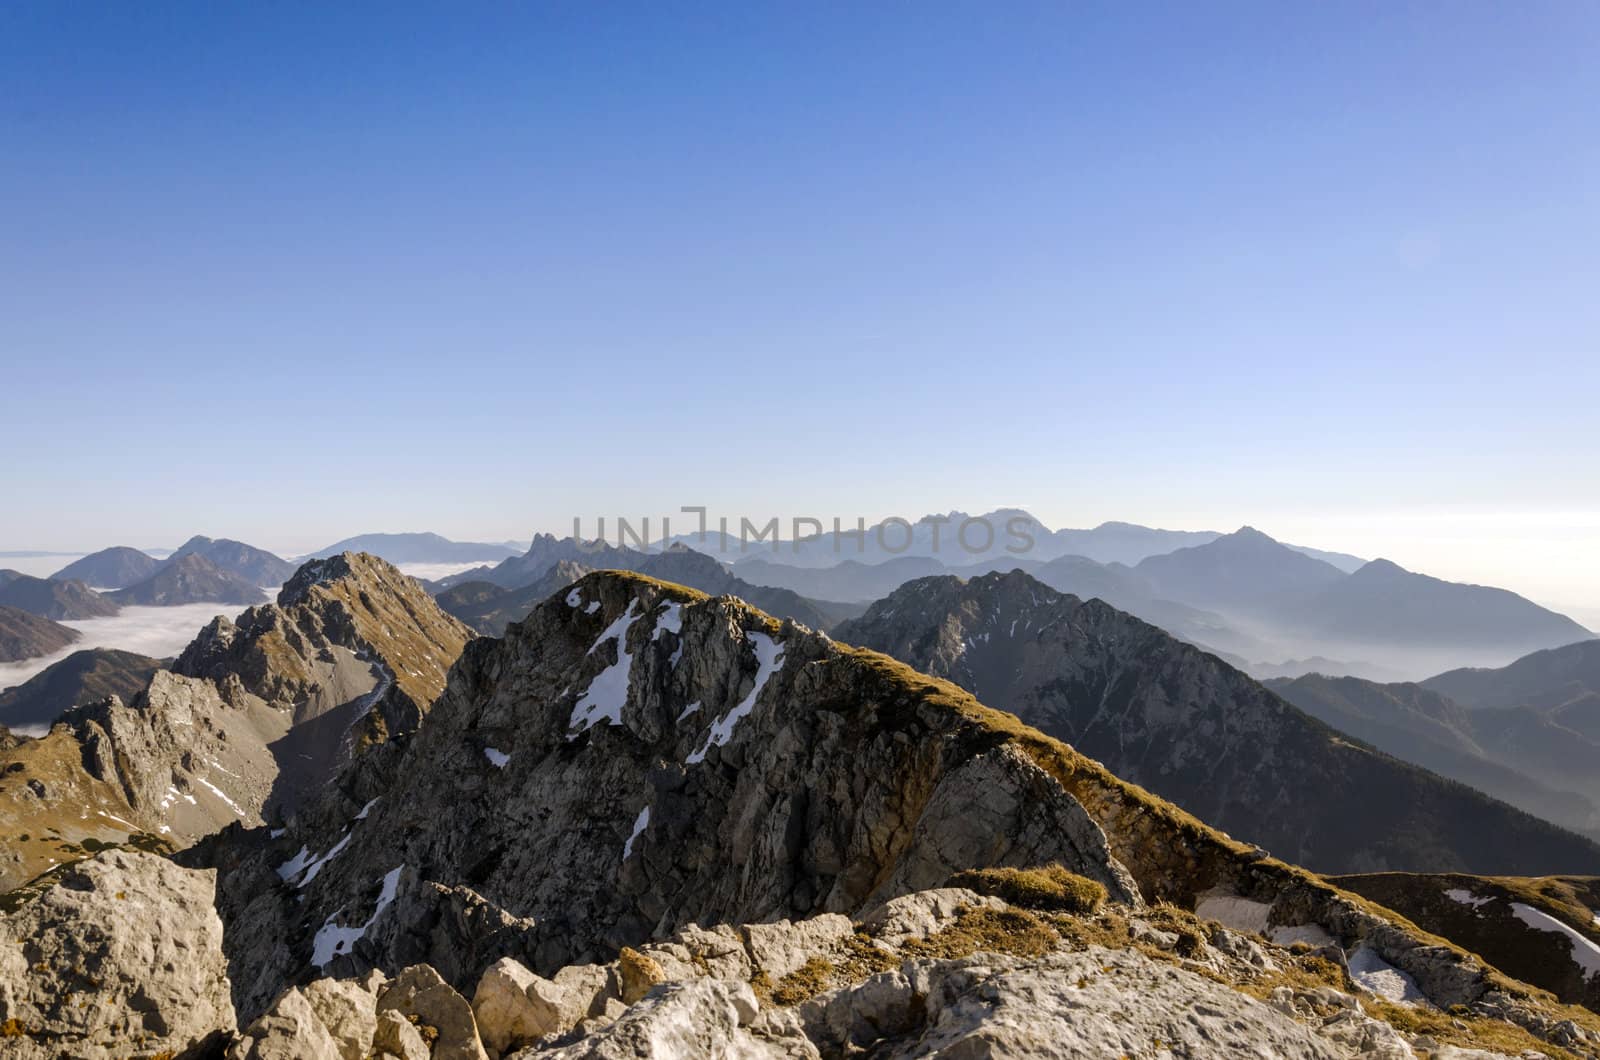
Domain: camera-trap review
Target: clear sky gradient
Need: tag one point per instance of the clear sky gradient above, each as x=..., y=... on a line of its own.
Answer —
x=288, y=272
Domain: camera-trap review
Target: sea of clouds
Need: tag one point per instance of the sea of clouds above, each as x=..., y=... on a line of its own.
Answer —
x=155, y=631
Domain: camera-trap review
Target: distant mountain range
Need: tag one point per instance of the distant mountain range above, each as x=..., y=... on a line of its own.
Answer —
x=419, y=548
x=958, y=539
x=1273, y=609
x=256, y=566
x=1171, y=718
x=202, y=571
x=1381, y=612
x=1259, y=603
x=490, y=605
x=1528, y=733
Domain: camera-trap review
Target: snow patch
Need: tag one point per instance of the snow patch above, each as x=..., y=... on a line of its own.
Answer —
x=769, y=660
x=671, y=620
x=690, y=709
x=1585, y=954
x=497, y=758
x=639, y=825
x=219, y=793
x=317, y=865
x=362, y=816
x=333, y=940
x=1231, y=911
x=1382, y=978
x=606, y=694
x=594, y=605
x=295, y=865
x=574, y=598
x=1466, y=897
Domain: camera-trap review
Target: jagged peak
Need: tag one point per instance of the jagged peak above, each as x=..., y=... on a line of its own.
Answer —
x=358, y=566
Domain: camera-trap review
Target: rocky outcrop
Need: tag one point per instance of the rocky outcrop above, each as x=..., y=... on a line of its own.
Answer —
x=27, y=636
x=337, y=624
x=946, y=972
x=254, y=714
x=123, y=955
x=1168, y=716
x=585, y=783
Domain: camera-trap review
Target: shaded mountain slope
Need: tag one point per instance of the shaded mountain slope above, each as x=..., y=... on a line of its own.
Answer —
x=256, y=566
x=1163, y=714
x=60, y=601
x=82, y=677
x=1548, y=679
x=1419, y=725
x=28, y=636
x=189, y=579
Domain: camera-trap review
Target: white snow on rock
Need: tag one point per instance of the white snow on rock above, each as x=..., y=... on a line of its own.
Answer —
x=219, y=793
x=1231, y=911
x=606, y=694
x=1382, y=978
x=1585, y=954
x=640, y=823
x=362, y=816
x=769, y=660
x=333, y=940
x=671, y=620
x=295, y=865
x=497, y=758
x=1456, y=894
x=594, y=605
x=690, y=709
x=574, y=598
x=317, y=865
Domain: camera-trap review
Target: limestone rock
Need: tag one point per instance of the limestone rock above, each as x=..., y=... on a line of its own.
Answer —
x=124, y=948
x=779, y=948
x=291, y=1031
x=419, y=991
x=347, y=1008
x=701, y=1018
x=394, y=1035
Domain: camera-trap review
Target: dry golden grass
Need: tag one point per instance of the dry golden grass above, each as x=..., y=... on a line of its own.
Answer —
x=1051, y=888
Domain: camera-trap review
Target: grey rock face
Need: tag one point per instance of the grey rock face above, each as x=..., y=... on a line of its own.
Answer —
x=125, y=950
x=590, y=779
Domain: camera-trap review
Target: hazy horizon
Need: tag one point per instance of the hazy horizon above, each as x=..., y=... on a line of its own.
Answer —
x=1473, y=548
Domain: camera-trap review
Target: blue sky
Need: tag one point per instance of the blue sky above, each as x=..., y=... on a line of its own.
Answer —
x=288, y=272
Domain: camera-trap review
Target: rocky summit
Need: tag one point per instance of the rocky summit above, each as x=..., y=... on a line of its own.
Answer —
x=254, y=714
x=651, y=823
